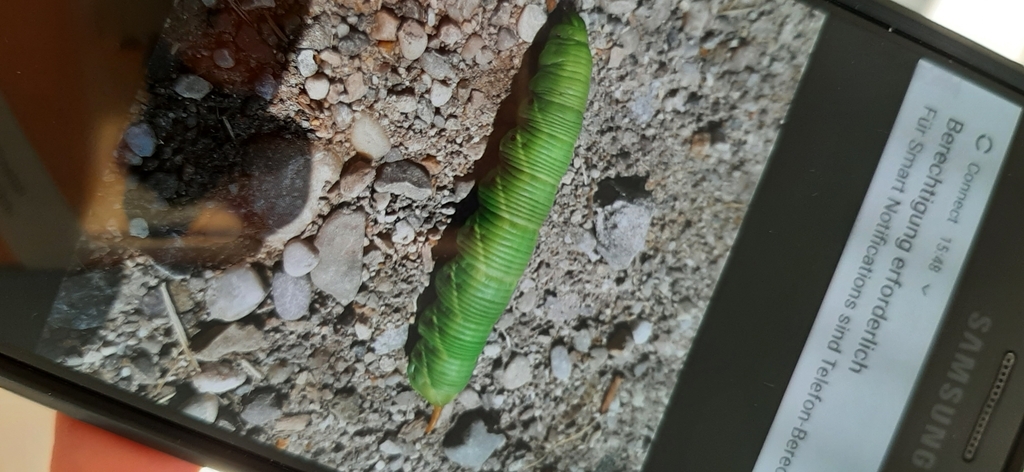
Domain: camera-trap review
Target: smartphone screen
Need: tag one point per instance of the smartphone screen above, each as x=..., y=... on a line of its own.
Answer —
x=262, y=223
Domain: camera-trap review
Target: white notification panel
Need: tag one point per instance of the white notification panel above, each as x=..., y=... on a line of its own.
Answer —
x=895, y=278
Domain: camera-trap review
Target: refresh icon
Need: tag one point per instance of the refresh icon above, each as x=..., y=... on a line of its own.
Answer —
x=983, y=143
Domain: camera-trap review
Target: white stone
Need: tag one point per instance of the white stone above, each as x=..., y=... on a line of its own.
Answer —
x=223, y=58
x=440, y=93
x=449, y=33
x=642, y=330
x=491, y=350
x=235, y=293
x=531, y=20
x=340, y=242
x=318, y=86
x=217, y=378
x=262, y=410
x=138, y=227
x=506, y=39
x=369, y=137
x=355, y=88
x=517, y=373
x=292, y=295
x=412, y=40
x=236, y=338
x=141, y=139
x=561, y=364
x=363, y=331
x=475, y=447
x=404, y=233
x=436, y=66
x=391, y=340
x=473, y=46
x=300, y=257
x=203, y=407
x=306, y=63
x=622, y=232
x=469, y=399
x=343, y=116
x=192, y=86
x=620, y=8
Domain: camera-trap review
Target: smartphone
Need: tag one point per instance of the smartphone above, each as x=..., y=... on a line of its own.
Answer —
x=848, y=331
x=235, y=269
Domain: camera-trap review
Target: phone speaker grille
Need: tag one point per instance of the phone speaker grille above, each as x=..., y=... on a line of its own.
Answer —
x=990, y=405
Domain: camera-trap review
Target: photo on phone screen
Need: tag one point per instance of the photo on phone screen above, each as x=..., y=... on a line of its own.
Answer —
x=302, y=193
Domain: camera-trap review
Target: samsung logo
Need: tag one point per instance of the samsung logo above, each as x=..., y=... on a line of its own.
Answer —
x=952, y=392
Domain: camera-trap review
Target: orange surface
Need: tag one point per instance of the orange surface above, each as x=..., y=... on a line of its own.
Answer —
x=70, y=70
x=40, y=46
x=80, y=447
x=7, y=257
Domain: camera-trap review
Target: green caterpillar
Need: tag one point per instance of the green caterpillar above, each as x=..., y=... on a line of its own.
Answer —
x=495, y=245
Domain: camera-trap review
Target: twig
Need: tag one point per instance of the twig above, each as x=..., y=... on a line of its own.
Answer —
x=570, y=438
x=228, y=126
x=241, y=13
x=179, y=329
x=609, y=395
x=273, y=26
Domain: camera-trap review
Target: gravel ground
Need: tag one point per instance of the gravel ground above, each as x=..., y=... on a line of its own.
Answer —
x=320, y=151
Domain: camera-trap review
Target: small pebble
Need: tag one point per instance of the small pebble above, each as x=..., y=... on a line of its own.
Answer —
x=192, y=86
x=391, y=340
x=581, y=341
x=306, y=63
x=412, y=40
x=404, y=233
x=472, y=47
x=506, y=39
x=363, y=331
x=262, y=410
x=561, y=364
x=223, y=58
x=138, y=228
x=404, y=178
x=256, y=4
x=217, y=378
x=292, y=296
x=353, y=44
x=292, y=423
x=342, y=30
x=266, y=86
x=317, y=86
x=369, y=137
x=474, y=447
x=389, y=448
x=203, y=407
x=356, y=87
x=531, y=20
x=343, y=116
x=492, y=350
x=340, y=242
x=517, y=373
x=235, y=293
x=141, y=139
x=236, y=338
x=440, y=93
x=299, y=257
x=642, y=331
x=449, y=33
x=436, y=66
x=385, y=26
